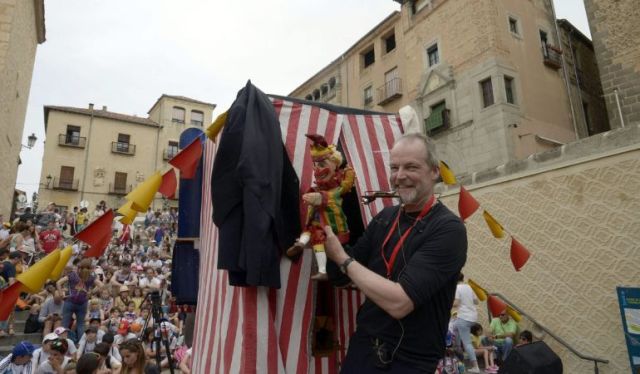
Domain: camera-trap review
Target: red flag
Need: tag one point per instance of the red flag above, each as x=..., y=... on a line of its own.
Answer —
x=519, y=254
x=169, y=184
x=97, y=250
x=126, y=234
x=467, y=205
x=187, y=159
x=97, y=230
x=8, y=298
x=496, y=306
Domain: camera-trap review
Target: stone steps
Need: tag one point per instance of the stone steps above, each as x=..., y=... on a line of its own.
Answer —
x=7, y=343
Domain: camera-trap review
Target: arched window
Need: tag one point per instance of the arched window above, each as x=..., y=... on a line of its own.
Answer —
x=308, y=97
x=332, y=83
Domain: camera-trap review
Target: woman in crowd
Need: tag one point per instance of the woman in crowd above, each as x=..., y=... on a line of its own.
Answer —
x=134, y=360
x=81, y=285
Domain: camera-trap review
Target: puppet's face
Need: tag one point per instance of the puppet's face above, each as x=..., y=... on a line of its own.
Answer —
x=324, y=170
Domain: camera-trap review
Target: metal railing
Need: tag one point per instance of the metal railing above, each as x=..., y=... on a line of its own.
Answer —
x=552, y=56
x=389, y=91
x=551, y=334
x=123, y=148
x=72, y=140
x=119, y=190
x=64, y=184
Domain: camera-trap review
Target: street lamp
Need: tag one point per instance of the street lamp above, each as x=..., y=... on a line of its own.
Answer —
x=49, y=177
x=31, y=141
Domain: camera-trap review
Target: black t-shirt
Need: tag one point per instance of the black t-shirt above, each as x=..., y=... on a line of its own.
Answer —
x=427, y=268
x=8, y=270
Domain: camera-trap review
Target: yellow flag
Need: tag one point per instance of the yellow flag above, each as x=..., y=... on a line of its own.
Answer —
x=447, y=175
x=213, y=130
x=480, y=292
x=514, y=314
x=142, y=196
x=33, y=279
x=128, y=213
x=494, y=226
x=65, y=255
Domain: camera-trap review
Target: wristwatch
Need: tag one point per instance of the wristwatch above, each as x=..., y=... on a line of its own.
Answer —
x=343, y=266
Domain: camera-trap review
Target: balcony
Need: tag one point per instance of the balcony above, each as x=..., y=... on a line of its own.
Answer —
x=391, y=90
x=119, y=189
x=437, y=121
x=64, y=184
x=73, y=141
x=169, y=153
x=127, y=149
x=552, y=56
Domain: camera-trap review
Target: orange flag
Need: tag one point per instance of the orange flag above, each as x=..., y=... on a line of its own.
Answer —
x=467, y=205
x=169, y=184
x=494, y=226
x=97, y=250
x=8, y=298
x=97, y=229
x=496, y=306
x=187, y=159
x=519, y=254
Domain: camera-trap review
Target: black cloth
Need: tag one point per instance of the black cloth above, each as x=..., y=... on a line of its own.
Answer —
x=185, y=270
x=255, y=193
x=427, y=268
x=8, y=271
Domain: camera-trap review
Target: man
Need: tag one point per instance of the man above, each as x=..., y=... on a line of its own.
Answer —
x=51, y=238
x=51, y=312
x=503, y=332
x=407, y=263
x=149, y=281
x=124, y=276
x=19, y=361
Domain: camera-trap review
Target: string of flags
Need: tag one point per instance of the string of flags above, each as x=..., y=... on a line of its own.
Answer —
x=468, y=205
x=98, y=234
x=496, y=306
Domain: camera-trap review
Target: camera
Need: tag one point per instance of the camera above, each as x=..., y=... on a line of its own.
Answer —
x=155, y=297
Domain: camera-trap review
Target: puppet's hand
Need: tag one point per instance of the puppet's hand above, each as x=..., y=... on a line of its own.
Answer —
x=312, y=198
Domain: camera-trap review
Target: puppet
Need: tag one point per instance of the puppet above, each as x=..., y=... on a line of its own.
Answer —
x=324, y=202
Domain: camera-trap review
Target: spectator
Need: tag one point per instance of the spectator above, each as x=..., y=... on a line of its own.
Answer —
x=133, y=358
x=114, y=320
x=503, y=330
x=124, y=333
x=466, y=301
x=27, y=215
x=88, y=341
x=4, y=231
x=51, y=238
x=8, y=275
x=124, y=276
x=63, y=333
x=19, y=360
x=56, y=360
x=81, y=219
x=88, y=363
x=107, y=361
x=95, y=310
x=41, y=354
x=137, y=298
x=51, y=312
x=185, y=363
x=486, y=352
x=108, y=339
x=123, y=299
x=526, y=337
x=150, y=281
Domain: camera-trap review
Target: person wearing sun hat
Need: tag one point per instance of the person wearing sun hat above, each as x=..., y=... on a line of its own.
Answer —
x=41, y=354
x=57, y=359
x=19, y=361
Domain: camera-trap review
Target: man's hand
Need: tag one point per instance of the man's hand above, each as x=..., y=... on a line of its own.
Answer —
x=333, y=248
x=312, y=198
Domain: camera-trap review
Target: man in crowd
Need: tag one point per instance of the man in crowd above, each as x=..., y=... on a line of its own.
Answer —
x=407, y=264
x=51, y=238
x=19, y=361
x=149, y=281
x=51, y=312
x=504, y=330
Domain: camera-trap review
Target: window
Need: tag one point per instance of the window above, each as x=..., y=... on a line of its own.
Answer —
x=316, y=94
x=197, y=118
x=123, y=143
x=390, y=43
x=368, y=96
x=120, y=182
x=332, y=82
x=513, y=26
x=509, y=90
x=545, y=43
x=324, y=89
x=368, y=58
x=172, y=149
x=487, y=92
x=66, y=177
x=432, y=54
x=308, y=97
x=417, y=5
x=437, y=119
x=178, y=115
x=73, y=135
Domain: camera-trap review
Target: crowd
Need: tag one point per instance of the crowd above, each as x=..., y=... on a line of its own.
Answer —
x=103, y=315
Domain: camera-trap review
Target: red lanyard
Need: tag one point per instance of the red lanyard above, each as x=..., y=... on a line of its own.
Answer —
x=396, y=249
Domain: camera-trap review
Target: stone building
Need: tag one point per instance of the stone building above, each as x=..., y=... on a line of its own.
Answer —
x=486, y=78
x=22, y=28
x=615, y=28
x=94, y=154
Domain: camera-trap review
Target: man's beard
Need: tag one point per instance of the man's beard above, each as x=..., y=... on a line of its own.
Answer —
x=407, y=196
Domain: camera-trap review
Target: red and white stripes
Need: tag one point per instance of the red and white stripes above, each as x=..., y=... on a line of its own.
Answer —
x=262, y=330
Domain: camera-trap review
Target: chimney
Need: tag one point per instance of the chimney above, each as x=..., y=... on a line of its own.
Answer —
x=91, y=106
x=104, y=107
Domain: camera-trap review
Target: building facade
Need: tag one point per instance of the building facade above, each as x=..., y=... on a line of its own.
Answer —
x=93, y=154
x=615, y=29
x=22, y=28
x=486, y=78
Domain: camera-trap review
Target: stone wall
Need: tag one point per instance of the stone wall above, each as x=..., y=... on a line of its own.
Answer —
x=577, y=212
x=615, y=29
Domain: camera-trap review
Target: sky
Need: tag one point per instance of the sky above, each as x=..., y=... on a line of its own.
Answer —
x=125, y=54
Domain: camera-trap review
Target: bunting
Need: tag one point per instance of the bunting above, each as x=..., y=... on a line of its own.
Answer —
x=188, y=158
x=142, y=196
x=169, y=184
x=34, y=277
x=128, y=213
x=494, y=226
x=467, y=205
x=98, y=249
x=519, y=254
x=97, y=230
x=65, y=255
x=213, y=130
x=496, y=306
x=446, y=174
x=479, y=291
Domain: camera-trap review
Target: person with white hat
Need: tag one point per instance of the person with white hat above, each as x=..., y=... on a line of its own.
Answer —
x=41, y=354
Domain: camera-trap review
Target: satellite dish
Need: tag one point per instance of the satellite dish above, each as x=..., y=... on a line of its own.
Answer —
x=22, y=198
x=84, y=204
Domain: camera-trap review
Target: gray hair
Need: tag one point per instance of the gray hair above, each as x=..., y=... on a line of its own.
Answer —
x=432, y=160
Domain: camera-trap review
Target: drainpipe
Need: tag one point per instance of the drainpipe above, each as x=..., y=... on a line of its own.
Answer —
x=86, y=153
x=615, y=93
x=564, y=71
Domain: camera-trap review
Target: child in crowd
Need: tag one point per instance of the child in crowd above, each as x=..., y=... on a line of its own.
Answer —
x=486, y=352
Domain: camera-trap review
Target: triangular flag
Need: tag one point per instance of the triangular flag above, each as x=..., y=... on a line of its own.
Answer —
x=519, y=254
x=128, y=214
x=34, y=277
x=8, y=298
x=98, y=249
x=187, y=160
x=467, y=205
x=213, y=130
x=65, y=255
x=496, y=306
x=142, y=196
x=514, y=314
x=446, y=174
x=169, y=184
x=479, y=291
x=96, y=229
x=494, y=226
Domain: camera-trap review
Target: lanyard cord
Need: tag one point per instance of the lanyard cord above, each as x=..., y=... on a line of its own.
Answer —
x=391, y=261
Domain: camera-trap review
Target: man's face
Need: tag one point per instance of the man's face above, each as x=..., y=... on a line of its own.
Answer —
x=411, y=176
x=324, y=170
x=21, y=360
x=504, y=317
x=149, y=274
x=92, y=337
